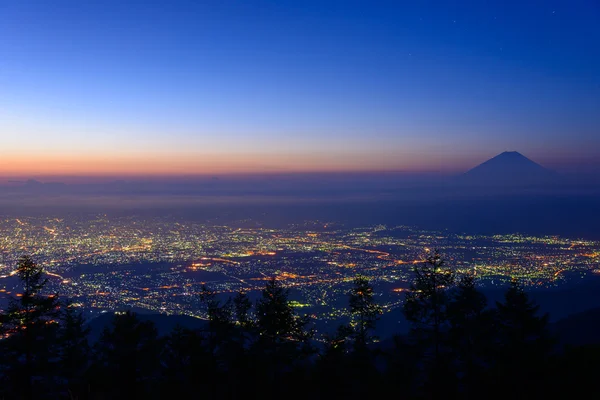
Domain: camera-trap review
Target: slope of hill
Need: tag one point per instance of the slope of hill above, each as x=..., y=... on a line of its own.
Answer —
x=579, y=329
x=164, y=323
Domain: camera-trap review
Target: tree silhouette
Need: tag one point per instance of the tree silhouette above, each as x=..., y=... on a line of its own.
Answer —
x=74, y=348
x=29, y=326
x=276, y=319
x=220, y=319
x=425, y=307
x=188, y=362
x=332, y=369
x=283, y=337
x=470, y=335
x=458, y=348
x=242, y=307
x=364, y=311
x=524, y=343
x=127, y=356
x=228, y=338
x=220, y=315
x=520, y=323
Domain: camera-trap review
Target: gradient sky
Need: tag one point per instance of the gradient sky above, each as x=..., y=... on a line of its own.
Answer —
x=93, y=88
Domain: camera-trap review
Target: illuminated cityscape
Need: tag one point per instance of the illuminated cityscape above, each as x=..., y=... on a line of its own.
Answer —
x=159, y=264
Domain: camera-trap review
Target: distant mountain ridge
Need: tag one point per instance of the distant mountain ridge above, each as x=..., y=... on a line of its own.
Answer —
x=510, y=168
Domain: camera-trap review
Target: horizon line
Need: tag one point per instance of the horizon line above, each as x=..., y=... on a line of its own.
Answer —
x=56, y=178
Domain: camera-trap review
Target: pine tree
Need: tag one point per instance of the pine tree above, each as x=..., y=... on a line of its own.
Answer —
x=74, y=348
x=220, y=315
x=242, y=307
x=244, y=334
x=29, y=325
x=470, y=334
x=426, y=302
x=364, y=311
x=187, y=363
x=246, y=325
x=520, y=322
x=220, y=319
x=425, y=307
x=524, y=343
x=128, y=357
x=333, y=367
x=277, y=321
x=226, y=339
x=337, y=345
x=283, y=339
x=400, y=374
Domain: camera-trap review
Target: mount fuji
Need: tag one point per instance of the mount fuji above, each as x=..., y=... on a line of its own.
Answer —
x=510, y=168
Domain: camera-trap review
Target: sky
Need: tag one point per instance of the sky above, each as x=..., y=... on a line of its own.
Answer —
x=184, y=88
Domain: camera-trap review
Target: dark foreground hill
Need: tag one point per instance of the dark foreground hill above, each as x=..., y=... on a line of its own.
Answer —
x=458, y=348
x=163, y=323
x=579, y=329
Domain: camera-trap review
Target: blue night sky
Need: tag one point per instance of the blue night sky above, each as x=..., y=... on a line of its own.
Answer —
x=135, y=88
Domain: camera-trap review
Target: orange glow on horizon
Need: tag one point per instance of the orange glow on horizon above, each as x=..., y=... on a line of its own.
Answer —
x=189, y=164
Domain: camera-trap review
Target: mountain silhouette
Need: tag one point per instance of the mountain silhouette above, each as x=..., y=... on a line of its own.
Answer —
x=510, y=168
